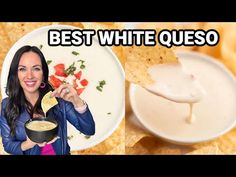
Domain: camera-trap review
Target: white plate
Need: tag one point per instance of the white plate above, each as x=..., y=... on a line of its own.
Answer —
x=107, y=106
x=215, y=113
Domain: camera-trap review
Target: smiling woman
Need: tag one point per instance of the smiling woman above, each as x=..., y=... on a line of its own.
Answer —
x=27, y=83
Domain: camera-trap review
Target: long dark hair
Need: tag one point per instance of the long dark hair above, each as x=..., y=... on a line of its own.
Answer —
x=17, y=100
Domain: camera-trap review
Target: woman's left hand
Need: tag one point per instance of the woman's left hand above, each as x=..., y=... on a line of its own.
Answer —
x=50, y=142
x=68, y=93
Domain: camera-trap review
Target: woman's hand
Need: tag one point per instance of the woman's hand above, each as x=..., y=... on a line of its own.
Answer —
x=50, y=142
x=28, y=144
x=68, y=93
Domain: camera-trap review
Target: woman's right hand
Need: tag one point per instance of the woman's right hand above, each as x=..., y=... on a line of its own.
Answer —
x=28, y=144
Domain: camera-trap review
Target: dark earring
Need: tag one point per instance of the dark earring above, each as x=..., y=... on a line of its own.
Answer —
x=42, y=85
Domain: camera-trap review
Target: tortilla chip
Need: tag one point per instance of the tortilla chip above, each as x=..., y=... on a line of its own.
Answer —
x=207, y=150
x=140, y=58
x=171, y=25
x=153, y=145
x=155, y=25
x=138, y=149
x=157, y=146
x=128, y=109
x=76, y=24
x=225, y=143
x=133, y=132
x=140, y=141
x=5, y=44
x=118, y=150
x=137, y=73
x=103, y=25
x=150, y=55
x=109, y=145
x=228, y=47
x=16, y=30
x=48, y=102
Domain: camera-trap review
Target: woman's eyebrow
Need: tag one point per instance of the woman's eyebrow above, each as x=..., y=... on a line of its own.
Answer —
x=37, y=65
x=21, y=66
x=32, y=66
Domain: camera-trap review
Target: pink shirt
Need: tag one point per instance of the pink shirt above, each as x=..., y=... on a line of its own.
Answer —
x=47, y=150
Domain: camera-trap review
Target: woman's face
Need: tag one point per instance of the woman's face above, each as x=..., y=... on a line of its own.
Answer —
x=30, y=73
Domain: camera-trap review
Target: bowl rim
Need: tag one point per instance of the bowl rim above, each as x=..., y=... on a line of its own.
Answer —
x=174, y=140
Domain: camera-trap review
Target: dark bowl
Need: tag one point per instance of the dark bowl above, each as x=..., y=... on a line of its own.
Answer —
x=40, y=136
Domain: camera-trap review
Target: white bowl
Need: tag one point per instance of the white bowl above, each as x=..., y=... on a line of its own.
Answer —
x=210, y=122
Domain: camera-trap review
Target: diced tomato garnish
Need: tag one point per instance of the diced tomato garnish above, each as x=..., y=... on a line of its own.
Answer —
x=80, y=90
x=60, y=73
x=55, y=81
x=78, y=75
x=60, y=70
x=84, y=82
x=59, y=66
x=75, y=85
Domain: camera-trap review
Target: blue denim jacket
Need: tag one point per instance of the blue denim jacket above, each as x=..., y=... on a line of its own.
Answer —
x=62, y=112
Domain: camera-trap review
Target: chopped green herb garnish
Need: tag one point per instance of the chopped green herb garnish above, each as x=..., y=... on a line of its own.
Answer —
x=82, y=61
x=101, y=84
x=82, y=66
x=87, y=136
x=49, y=61
x=99, y=88
x=75, y=53
x=40, y=46
x=65, y=82
x=70, y=137
x=71, y=69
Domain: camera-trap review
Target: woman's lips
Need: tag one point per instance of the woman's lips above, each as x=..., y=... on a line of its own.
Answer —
x=30, y=83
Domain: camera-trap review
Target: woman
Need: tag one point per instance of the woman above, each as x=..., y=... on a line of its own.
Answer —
x=26, y=85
